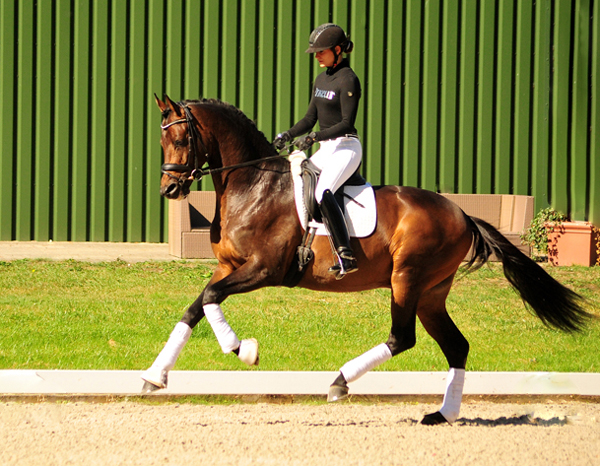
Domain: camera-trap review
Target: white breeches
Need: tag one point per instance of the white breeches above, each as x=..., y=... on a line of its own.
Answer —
x=338, y=159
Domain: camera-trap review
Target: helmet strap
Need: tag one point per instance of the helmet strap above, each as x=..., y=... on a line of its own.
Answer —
x=335, y=56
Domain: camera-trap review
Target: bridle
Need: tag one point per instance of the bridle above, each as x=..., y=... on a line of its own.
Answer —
x=193, y=166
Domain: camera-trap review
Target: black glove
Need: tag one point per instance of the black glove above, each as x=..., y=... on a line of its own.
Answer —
x=303, y=143
x=281, y=139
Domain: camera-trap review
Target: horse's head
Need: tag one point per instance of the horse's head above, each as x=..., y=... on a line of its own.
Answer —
x=182, y=147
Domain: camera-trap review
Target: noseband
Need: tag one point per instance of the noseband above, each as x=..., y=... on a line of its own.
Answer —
x=193, y=166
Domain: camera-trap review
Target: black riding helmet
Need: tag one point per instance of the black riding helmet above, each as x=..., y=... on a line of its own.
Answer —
x=328, y=36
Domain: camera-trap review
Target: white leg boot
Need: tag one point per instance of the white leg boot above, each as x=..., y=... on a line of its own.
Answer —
x=453, y=396
x=158, y=373
x=248, y=349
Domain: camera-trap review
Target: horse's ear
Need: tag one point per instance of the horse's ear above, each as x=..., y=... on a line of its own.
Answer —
x=172, y=105
x=161, y=105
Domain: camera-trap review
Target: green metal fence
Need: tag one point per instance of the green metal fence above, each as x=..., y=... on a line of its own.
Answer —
x=458, y=96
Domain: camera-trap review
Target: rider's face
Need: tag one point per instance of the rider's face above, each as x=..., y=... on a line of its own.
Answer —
x=325, y=58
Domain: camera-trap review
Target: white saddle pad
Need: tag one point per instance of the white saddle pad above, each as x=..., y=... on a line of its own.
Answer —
x=360, y=209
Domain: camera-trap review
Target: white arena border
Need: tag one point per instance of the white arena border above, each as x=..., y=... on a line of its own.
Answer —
x=283, y=383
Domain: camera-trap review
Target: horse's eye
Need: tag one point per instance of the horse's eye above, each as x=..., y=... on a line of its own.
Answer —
x=180, y=143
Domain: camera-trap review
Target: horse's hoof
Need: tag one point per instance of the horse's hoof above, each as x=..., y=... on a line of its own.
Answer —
x=154, y=380
x=434, y=419
x=248, y=352
x=337, y=393
x=149, y=387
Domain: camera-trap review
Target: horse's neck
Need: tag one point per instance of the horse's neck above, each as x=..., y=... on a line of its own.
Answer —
x=234, y=142
x=254, y=184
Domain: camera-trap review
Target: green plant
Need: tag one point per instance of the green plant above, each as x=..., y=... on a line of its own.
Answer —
x=536, y=235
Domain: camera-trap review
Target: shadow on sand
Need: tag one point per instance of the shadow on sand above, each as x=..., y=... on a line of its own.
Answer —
x=524, y=420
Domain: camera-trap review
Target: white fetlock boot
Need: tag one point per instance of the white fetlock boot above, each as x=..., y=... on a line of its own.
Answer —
x=248, y=351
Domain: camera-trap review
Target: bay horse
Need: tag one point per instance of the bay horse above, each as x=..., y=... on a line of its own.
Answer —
x=420, y=240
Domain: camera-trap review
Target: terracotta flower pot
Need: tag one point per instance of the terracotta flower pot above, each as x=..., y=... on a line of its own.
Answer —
x=572, y=243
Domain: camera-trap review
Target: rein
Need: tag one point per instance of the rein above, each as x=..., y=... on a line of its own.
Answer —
x=193, y=166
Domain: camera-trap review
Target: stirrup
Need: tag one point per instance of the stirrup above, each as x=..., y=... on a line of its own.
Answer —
x=344, y=266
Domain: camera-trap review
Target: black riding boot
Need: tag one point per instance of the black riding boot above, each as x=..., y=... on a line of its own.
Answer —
x=335, y=223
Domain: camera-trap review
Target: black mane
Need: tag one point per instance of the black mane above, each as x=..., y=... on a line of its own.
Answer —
x=256, y=136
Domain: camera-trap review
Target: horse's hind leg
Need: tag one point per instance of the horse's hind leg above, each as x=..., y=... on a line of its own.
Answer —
x=434, y=317
x=401, y=338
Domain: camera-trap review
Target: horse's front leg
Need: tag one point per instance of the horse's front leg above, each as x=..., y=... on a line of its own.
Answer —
x=244, y=279
x=249, y=277
x=156, y=377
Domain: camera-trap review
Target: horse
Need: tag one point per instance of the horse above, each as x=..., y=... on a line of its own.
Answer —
x=419, y=243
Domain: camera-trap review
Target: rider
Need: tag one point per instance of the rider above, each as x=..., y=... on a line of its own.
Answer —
x=334, y=104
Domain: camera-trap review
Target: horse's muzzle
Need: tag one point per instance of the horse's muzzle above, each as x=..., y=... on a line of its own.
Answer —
x=175, y=189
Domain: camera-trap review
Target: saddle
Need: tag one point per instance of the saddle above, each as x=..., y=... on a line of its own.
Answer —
x=310, y=177
x=355, y=197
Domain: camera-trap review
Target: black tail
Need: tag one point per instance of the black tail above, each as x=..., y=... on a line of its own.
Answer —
x=556, y=305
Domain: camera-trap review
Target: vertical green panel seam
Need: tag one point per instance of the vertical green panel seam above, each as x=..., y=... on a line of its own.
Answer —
x=44, y=122
x=212, y=60
x=393, y=92
x=522, y=118
x=430, y=106
x=341, y=12
x=81, y=86
x=467, y=91
x=248, y=48
x=449, y=94
x=135, y=136
x=173, y=56
x=595, y=120
x=503, y=98
x=560, y=106
x=412, y=92
x=540, y=147
x=118, y=123
x=284, y=78
x=24, y=120
x=302, y=60
x=7, y=125
x=193, y=50
x=374, y=85
x=485, y=98
x=155, y=229
x=358, y=60
x=579, y=109
x=230, y=50
x=266, y=54
x=63, y=114
x=212, y=50
x=99, y=126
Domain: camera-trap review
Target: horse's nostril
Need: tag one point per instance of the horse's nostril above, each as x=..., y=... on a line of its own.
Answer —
x=170, y=191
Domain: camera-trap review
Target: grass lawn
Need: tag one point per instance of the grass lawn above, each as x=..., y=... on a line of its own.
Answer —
x=77, y=315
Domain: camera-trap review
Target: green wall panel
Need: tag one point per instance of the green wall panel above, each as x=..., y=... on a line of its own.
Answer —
x=462, y=96
x=63, y=122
